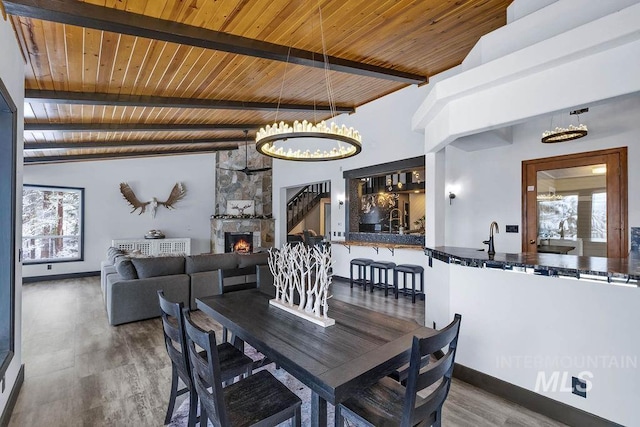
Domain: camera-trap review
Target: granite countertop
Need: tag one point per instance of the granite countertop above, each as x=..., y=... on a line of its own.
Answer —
x=544, y=263
x=388, y=238
x=376, y=244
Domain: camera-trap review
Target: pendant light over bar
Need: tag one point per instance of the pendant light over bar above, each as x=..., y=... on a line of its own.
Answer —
x=560, y=134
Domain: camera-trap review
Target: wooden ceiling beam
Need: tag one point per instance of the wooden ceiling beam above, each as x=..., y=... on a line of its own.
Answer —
x=87, y=15
x=111, y=156
x=124, y=144
x=92, y=98
x=135, y=127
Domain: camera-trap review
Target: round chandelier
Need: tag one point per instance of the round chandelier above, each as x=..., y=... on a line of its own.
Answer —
x=562, y=134
x=305, y=141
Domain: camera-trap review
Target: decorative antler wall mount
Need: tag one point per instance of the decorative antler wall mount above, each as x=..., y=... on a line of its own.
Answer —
x=177, y=193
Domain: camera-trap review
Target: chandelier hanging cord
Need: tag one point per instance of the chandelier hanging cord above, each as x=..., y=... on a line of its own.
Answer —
x=313, y=63
x=284, y=76
x=306, y=141
x=327, y=68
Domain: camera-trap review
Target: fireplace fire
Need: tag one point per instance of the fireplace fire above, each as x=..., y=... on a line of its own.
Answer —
x=238, y=242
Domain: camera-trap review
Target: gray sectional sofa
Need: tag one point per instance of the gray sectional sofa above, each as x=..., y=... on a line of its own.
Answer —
x=130, y=285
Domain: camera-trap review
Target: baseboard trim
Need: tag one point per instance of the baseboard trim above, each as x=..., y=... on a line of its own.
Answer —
x=13, y=397
x=536, y=402
x=60, y=276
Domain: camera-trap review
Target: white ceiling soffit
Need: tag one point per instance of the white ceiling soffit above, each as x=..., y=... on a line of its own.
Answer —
x=484, y=140
x=592, y=62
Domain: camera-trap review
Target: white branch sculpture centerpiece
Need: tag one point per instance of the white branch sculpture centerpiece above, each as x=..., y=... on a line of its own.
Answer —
x=304, y=270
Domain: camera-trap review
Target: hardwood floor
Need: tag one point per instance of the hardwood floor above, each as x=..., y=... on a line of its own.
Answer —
x=80, y=371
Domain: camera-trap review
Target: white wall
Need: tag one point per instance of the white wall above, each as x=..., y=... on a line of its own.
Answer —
x=515, y=325
x=12, y=75
x=385, y=126
x=515, y=81
x=489, y=181
x=107, y=214
x=513, y=315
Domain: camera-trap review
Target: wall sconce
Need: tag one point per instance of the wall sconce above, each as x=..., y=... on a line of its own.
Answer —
x=451, y=197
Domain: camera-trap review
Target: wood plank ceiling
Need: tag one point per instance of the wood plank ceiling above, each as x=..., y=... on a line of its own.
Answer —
x=114, y=78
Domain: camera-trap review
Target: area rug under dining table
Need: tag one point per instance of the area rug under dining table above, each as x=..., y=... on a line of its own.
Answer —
x=304, y=393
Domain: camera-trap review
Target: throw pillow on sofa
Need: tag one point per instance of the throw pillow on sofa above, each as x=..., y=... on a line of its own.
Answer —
x=112, y=253
x=158, y=266
x=125, y=268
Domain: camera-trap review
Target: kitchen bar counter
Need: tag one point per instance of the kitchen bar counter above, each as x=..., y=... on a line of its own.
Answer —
x=390, y=238
x=376, y=246
x=525, y=328
x=625, y=269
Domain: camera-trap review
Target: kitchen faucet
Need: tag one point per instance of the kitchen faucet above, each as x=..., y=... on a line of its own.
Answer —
x=492, y=249
x=391, y=218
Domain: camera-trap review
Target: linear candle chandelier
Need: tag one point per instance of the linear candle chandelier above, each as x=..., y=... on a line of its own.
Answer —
x=306, y=141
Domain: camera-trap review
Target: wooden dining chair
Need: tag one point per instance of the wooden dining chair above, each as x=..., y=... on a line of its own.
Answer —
x=233, y=362
x=257, y=400
x=236, y=279
x=389, y=403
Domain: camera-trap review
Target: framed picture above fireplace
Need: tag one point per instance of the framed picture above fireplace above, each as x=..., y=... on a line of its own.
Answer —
x=240, y=207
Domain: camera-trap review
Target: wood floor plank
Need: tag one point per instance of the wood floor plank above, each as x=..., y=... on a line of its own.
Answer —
x=80, y=371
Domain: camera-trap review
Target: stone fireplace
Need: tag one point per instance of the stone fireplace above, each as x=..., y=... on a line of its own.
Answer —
x=233, y=185
x=238, y=242
x=261, y=230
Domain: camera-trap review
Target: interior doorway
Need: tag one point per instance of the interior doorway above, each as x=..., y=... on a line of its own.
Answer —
x=576, y=204
x=327, y=220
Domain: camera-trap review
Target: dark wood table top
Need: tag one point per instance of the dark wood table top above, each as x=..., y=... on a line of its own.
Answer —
x=332, y=361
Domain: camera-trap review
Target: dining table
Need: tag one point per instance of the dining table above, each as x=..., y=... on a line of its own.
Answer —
x=335, y=361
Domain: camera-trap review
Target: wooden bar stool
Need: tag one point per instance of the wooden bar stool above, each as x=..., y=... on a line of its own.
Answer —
x=362, y=264
x=412, y=270
x=381, y=266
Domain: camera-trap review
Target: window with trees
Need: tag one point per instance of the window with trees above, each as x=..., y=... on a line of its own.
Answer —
x=558, y=216
x=52, y=224
x=599, y=216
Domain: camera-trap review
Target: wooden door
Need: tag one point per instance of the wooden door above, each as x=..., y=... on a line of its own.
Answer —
x=616, y=174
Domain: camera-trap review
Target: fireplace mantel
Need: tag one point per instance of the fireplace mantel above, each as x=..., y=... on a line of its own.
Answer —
x=263, y=231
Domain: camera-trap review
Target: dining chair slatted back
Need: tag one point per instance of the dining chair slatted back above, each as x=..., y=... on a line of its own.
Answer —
x=228, y=275
x=389, y=402
x=258, y=400
x=173, y=332
x=206, y=372
x=175, y=343
x=422, y=375
x=242, y=273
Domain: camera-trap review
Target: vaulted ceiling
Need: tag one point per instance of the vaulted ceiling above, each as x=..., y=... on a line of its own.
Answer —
x=121, y=78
